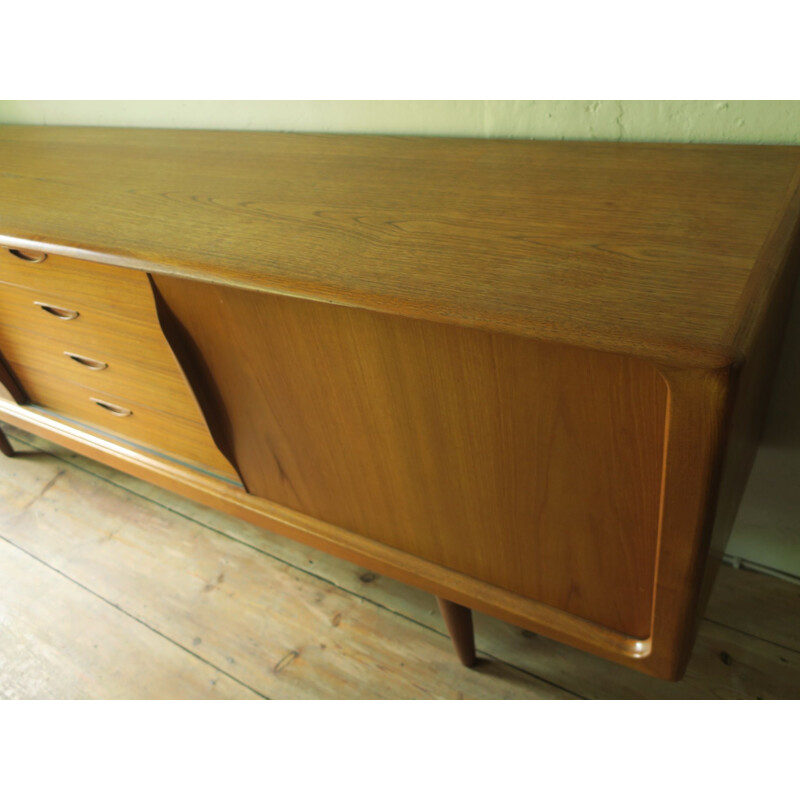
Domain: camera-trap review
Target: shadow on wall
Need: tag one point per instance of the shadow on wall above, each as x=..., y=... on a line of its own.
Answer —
x=767, y=529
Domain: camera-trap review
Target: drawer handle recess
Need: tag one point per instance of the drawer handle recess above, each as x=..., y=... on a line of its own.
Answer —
x=55, y=311
x=117, y=411
x=89, y=363
x=31, y=256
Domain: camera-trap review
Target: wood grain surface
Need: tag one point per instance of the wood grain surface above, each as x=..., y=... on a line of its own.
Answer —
x=217, y=604
x=179, y=437
x=115, y=323
x=535, y=468
x=115, y=291
x=380, y=635
x=564, y=452
x=97, y=331
x=58, y=641
x=160, y=389
x=647, y=249
x=230, y=498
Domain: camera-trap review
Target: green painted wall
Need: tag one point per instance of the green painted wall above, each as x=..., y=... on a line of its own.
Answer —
x=767, y=530
x=759, y=122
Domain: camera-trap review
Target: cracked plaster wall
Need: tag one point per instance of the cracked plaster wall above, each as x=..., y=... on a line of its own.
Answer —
x=767, y=530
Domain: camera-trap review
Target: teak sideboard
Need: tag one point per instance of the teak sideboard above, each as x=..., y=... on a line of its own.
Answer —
x=527, y=377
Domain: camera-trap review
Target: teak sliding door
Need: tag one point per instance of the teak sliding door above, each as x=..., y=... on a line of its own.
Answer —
x=534, y=467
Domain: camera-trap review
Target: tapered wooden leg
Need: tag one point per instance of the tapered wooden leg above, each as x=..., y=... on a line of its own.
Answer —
x=5, y=446
x=458, y=620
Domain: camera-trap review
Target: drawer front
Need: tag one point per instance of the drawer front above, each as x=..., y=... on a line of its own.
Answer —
x=80, y=329
x=156, y=389
x=40, y=325
x=119, y=291
x=164, y=433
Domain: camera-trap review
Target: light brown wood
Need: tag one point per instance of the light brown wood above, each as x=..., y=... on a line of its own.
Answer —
x=280, y=632
x=746, y=647
x=389, y=561
x=162, y=390
x=162, y=432
x=86, y=284
x=117, y=327
x=526, y=376
x=237, y=622
x=372, y=555
x=58, y=641
x=105, y=334
x=645, y=249
x=464, y=448
x=422, y=465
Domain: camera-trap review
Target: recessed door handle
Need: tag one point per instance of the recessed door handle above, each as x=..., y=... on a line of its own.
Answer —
x=31, y=256
x=56, y=311
x=117, y=411
x=84, y=361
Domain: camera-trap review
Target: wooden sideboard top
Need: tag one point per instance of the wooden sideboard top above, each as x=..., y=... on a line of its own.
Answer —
x=663, y=251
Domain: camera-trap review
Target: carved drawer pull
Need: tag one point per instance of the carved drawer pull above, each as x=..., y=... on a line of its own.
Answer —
x=31, y=256
x=117, y=411
x=59, y=313
x=89, y=363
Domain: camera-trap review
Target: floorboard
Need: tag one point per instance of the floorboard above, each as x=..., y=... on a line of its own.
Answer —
x=282, y=632
x=59, y=641
x=288, y=621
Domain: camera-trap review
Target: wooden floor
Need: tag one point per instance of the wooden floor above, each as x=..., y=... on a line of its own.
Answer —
x=112, y=588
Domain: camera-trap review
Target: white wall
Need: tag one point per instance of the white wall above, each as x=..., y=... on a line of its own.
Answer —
x=767, y=530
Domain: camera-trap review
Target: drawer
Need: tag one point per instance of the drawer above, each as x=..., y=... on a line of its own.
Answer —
x=156, y=430
x=96, y=333
x=117, y=290
x=156, y=389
